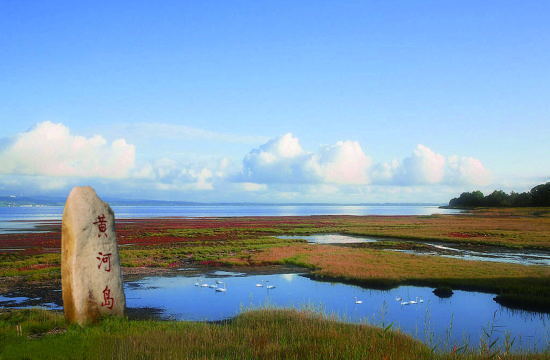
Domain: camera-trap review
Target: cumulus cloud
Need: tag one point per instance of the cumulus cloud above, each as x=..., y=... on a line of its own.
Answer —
x=342, y=163
x=168, y=174
x=466, y=170
x=282, y=160
x=426, y=167
x=49, y=157
x=50, y=149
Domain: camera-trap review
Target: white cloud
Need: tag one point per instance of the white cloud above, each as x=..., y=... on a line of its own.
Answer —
x=50, y=149
x=200, y=178
x=50, y=158
x=253, y=187
x=282, y=160
x=466, y=170
x=342, y=163
x=426, y=167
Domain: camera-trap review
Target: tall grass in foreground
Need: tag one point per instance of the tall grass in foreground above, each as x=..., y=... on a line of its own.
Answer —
x=255, y=334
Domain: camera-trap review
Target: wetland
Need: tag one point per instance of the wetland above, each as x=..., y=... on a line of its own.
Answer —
x=496, y=265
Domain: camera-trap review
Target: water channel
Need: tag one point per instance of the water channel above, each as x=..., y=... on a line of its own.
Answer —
x=461, y=319
x=433, y=248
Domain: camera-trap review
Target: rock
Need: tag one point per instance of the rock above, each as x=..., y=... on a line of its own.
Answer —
x=90, y=264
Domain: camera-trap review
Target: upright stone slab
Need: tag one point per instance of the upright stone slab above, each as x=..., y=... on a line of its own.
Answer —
x=90, y=264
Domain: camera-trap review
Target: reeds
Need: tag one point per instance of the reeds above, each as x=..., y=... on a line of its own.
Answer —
x=258, y=333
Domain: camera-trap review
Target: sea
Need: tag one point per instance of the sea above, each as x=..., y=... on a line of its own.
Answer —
x=27, y=218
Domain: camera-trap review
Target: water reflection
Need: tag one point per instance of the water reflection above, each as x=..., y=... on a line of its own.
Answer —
x=436, y=321
x=446, y=321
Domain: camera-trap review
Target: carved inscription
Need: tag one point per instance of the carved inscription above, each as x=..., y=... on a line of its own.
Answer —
x=91, y=273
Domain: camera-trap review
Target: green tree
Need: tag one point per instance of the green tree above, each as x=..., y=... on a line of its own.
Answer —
x=519, y=199
x=540, y=195
x=468, y=199
x=496, y=199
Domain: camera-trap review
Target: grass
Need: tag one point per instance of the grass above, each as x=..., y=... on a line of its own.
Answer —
x=514, y=231
x=255, y=334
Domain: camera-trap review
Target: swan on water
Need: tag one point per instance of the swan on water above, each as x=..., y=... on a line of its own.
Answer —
x=260, y=285
x=357, y=301
x=221, y=289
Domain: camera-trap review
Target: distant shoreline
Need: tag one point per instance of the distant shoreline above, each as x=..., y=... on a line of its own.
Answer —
x=26, y=202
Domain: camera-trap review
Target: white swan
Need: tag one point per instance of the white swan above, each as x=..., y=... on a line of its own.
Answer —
x=357, y=301
x=398, y=298
x=197, y=283
x=213, y=286
x=269, y=286
x=413, y=302
x=221, y=289
x=219, y=282
x=404, y=303
x=260, y=285
x=420, y=299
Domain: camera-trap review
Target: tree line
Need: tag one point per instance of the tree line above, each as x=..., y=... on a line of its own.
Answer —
x=537, y=196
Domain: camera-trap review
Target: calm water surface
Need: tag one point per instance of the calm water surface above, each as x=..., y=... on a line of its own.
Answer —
x=460, y=319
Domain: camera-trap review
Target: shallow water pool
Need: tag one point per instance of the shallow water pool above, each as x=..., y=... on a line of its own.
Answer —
x=462, y=318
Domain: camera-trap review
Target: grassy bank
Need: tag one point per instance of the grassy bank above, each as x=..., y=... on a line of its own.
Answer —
x=256, y=334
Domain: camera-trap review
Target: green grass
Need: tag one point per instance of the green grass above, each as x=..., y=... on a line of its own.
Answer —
x=255, y=334
x=163, y=255
x=32, y=267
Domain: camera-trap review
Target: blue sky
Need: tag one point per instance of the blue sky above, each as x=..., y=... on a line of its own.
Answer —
x=283, y=101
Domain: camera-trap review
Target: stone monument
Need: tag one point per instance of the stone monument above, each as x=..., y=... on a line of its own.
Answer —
x=90, y=264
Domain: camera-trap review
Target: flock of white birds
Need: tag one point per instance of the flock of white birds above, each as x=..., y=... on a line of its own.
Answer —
x=200, y=283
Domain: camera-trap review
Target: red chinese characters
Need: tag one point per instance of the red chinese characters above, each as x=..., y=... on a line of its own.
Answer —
x=108, y=301
x=101, y=225
x=104, y=259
